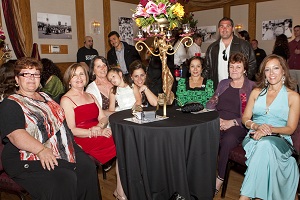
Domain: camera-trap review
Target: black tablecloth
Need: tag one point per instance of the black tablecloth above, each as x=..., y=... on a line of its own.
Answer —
x=178, y=154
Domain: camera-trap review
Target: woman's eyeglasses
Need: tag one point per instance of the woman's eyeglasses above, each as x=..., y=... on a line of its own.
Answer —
x=224, y=55
x=28, y=75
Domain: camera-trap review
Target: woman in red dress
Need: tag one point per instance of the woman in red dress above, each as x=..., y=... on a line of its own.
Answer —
x=85, y=118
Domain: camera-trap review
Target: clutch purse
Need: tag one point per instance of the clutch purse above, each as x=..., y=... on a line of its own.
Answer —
x=192, y=107
x=176, y=196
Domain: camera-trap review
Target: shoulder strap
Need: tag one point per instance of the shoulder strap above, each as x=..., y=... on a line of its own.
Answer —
x=70, y=99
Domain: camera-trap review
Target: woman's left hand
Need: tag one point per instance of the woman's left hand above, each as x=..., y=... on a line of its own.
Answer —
x=143, y=88
x=257, y=135
x=225, y=124
x=106, y=132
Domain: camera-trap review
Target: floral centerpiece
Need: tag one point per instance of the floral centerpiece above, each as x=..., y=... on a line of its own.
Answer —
x=148, y=11
x=189, y=19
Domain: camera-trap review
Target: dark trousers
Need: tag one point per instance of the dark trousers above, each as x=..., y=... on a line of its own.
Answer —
x=229, y=139
x=79, y=183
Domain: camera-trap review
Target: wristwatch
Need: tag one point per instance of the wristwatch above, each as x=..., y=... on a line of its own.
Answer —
x=235, y=122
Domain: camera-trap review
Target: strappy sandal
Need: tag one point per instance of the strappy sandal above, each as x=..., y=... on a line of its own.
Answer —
x=119, y=197
x=217, y=190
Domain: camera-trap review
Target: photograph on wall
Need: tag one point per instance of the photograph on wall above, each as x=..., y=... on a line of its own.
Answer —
x=126, y=29
x=209, y=33
x=54, y=26
x=273, y=28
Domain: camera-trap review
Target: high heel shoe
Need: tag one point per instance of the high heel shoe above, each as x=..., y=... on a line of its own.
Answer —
x=119, y=197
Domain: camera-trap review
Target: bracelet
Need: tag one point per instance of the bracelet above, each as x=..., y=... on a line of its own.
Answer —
x=40, y=150
x=145, y=89
x=246, y=123
x=252, y=125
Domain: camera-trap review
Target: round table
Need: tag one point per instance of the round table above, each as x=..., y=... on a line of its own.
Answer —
x=177, y=154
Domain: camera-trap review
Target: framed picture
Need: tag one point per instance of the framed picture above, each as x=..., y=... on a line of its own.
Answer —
x=126, y=29
x=273, y=28
x=54, y=26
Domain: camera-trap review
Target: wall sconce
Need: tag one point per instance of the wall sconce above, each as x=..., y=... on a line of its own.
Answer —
x=95, y=27
x=238, y=27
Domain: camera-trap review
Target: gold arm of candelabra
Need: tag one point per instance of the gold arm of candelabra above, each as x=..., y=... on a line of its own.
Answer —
x=5, y=55
x=186, y=43
x=139, y=47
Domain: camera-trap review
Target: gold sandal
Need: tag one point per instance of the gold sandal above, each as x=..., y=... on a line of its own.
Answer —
x=119, y=197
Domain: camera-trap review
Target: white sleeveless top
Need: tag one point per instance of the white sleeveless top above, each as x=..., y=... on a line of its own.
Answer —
x=125, y=98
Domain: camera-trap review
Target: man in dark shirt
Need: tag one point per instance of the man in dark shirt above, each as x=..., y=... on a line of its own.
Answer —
x=86, y=53
x=121, y=54
x=260, y=54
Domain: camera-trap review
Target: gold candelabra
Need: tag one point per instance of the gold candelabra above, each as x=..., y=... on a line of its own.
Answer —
x=162, y=42
x=6, y=53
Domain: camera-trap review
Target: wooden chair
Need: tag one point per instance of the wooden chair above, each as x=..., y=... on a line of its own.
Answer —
x=237, y=160
x=7, y=184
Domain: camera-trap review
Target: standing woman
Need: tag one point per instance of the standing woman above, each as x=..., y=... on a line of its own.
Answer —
x=138, y=75
x=100, y=86
x=85, y=118
x=273, y=107
x=230, y=100
x=195, y=88
x=39, y=151
x=281, y=46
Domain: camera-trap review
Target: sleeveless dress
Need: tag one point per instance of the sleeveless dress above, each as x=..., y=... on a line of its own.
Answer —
x=272, y=172
x=101, y=148
x=125, y=98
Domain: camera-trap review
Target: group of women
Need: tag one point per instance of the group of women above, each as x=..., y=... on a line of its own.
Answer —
x=46, y=144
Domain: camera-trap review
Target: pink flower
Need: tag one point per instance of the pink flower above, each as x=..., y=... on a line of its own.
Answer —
x=154, y=9
x=2, y=37
x=173, y=1
x=141, y=11
x=143, y=2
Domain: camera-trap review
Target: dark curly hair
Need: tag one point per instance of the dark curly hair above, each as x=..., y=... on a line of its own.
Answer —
x=49, y=69
x=7, y=79
x=282, y=40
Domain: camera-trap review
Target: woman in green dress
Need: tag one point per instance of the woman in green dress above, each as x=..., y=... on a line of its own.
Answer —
x=195, y=88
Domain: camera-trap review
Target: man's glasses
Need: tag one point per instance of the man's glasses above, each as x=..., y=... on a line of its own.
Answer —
x=28, y=75
x=224, y=55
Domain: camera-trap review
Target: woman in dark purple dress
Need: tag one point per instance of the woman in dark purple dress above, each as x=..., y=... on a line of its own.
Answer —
x=230, y=100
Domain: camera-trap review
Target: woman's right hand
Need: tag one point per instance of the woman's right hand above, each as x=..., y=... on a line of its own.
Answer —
x=47, y=159
x=95, y=131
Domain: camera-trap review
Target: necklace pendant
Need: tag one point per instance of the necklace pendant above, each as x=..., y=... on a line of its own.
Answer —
x=267, y=111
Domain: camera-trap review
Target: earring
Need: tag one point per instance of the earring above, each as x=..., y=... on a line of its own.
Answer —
x=70, y=86
x=17, y=85
x=266, y=82
x=283, y=79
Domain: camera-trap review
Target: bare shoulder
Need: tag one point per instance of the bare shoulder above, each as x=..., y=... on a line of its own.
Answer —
x=255, y=92
x=293, y=96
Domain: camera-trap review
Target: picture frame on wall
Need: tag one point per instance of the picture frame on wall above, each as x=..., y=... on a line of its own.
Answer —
x=126, y=29
x=54, y=26
x=273, y=28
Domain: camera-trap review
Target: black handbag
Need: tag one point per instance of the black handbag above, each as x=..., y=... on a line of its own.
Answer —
x=192, y=107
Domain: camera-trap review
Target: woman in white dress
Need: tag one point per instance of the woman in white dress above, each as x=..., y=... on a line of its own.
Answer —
x=125, y=94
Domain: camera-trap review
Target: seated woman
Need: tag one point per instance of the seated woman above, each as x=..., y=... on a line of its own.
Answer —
x=195, y=88
x=274, y=107
x=127, y=95
x=85, y=118
x=230, y=100
x=51, y=80
x=39, y=151
x=100, y=87
x=138, y=75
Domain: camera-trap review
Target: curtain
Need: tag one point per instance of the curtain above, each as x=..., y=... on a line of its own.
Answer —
x=12, y=16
